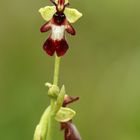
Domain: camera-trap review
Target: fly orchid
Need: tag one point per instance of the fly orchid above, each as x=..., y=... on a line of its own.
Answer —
x=70, y=130
x=58, y=19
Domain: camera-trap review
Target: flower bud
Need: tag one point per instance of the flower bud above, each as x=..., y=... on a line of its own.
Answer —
x=53, y=91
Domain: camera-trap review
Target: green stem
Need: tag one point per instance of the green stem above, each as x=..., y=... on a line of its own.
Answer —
x=51, y=129
x=56, y=70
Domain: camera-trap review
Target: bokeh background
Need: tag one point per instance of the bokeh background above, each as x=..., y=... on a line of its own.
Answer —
x=102, y=66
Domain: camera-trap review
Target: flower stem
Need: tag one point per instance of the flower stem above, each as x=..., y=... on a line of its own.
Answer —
x=51, y=126
x=56, y=70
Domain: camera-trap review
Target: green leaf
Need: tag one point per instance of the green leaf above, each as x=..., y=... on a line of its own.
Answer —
x=42, y=128
x=47, y=12
x=65, y=114
x=72, y=15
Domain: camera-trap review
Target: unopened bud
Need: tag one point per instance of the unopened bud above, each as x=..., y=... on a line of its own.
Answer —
x=53, y=91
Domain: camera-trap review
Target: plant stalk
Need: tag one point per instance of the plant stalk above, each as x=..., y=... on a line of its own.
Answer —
x=56, y=70
x=51, y=129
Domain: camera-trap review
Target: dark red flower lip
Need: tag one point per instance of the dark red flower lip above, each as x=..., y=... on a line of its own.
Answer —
x=56, y=41
x=58, y=46
x=70, y=131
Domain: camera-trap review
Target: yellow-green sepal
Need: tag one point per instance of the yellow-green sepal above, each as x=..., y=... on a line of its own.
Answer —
x=65, y=114
x=47, y=12
x=59, y=101
x=72, y=15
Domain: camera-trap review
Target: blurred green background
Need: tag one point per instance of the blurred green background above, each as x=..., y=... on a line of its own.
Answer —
x=102, y=66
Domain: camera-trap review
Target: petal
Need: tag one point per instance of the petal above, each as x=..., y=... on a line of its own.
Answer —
x=72, y=15
x=49, y=47
x=70, y=29
x=47, y=12
x=45, y=27
x=69, y=99
x=61, y=47
x=66, y=1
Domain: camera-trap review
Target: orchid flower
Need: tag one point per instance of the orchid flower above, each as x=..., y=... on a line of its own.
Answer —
x=58, y=19
x=70, y=130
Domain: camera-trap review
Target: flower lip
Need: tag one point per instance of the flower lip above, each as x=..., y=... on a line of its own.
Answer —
x=70, y=131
